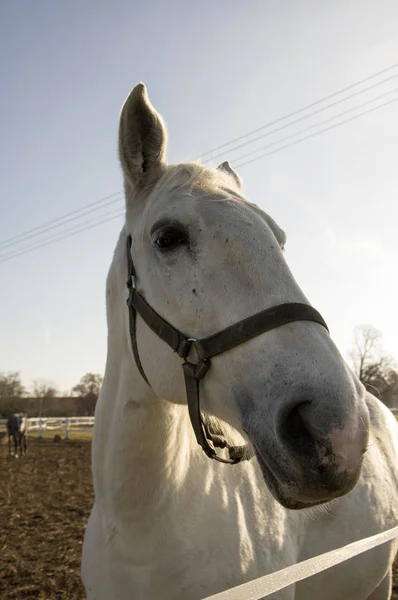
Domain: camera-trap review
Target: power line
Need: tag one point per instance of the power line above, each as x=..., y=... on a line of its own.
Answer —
x=248, y=162
x=32, y=246
x=335, y=125
x=73, y=212
x=299, y=110
x=30, y=233
x=340, y=114
x=48, y=239
x=42, y=229
x=60, y=221
x=305, y=117
x=8, y=257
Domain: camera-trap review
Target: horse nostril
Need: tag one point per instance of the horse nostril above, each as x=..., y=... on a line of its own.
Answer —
x=296, y=431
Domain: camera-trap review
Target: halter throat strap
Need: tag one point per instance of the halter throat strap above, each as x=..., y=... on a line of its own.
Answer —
x=206, y=348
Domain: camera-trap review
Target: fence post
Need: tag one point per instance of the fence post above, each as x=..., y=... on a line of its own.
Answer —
x=67, y=429
x=40, y=429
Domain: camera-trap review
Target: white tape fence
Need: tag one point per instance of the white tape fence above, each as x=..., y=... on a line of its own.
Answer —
x=260, y=588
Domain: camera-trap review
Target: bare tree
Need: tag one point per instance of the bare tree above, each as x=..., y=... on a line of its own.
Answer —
x=366, y=348
x=43, y=390
x=374, y=369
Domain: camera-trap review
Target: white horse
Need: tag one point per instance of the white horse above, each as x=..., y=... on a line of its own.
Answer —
x=168, y=522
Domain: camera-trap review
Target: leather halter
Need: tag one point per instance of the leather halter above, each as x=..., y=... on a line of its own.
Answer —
x=206, y=348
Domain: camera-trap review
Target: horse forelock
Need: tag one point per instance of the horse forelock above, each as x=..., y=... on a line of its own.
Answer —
x=188, y=179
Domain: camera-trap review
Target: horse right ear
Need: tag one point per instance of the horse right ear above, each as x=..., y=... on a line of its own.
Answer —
x=226, y=167
x=142, y=139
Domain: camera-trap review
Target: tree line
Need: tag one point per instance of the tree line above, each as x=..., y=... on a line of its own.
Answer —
x=376, y=370
x=44, y=399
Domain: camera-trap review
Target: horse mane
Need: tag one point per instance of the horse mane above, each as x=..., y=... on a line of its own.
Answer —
x=192, y=178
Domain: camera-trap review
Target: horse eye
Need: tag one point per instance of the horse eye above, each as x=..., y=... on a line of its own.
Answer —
x=169, y=240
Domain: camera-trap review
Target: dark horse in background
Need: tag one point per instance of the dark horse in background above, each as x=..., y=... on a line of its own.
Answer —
x=16, y=429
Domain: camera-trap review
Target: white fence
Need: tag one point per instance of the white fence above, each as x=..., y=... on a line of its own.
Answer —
x=55, y=424
x=261, y=588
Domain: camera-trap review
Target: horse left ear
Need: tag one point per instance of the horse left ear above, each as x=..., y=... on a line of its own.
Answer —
x=142, y=139
x=225, y=166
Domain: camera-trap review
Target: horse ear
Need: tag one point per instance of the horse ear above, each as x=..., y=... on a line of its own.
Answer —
x=225, y=166
x=142, y=139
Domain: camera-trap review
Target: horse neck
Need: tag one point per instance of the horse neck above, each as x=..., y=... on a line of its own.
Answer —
x=143, y=446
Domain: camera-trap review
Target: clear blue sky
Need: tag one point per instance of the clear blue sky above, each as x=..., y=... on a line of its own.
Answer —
x=214, y=70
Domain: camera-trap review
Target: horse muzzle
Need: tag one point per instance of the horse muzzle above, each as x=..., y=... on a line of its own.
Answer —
x=309, y=458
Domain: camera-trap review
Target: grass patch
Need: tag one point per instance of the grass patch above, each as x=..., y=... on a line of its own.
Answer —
x=74, y=434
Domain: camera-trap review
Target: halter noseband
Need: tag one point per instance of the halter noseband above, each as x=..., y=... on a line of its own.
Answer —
x=206, y=348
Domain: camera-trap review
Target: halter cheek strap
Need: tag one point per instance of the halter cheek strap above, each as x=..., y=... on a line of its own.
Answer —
x=207, y=348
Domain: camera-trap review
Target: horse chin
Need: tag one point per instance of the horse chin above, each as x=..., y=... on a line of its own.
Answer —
x=286, y=493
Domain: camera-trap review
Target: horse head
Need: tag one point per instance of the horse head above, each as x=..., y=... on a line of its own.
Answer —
x=205, y=259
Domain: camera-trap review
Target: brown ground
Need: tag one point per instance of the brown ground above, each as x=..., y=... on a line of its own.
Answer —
x=45, y=498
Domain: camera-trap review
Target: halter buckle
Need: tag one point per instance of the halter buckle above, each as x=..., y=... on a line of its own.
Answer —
x=133, y=282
